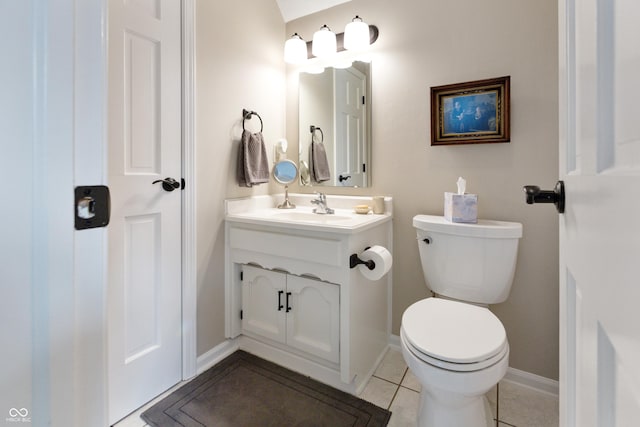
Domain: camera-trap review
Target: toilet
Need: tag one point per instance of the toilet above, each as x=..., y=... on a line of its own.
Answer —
x=452, y=343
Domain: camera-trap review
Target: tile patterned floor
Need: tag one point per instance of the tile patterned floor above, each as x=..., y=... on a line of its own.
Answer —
x=394, y=387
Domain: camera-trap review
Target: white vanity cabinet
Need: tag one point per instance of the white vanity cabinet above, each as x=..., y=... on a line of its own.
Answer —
x=297, y=311
x=291, y=296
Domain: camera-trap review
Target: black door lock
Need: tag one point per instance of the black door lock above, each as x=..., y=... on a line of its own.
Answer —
x=92, y=206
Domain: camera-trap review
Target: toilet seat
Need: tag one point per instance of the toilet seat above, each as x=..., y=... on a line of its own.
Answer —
x=454, y=367
x=453, y=335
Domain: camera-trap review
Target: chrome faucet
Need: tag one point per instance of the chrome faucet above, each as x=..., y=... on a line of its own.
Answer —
x=322, y=208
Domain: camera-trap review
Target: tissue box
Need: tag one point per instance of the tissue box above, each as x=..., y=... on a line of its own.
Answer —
x=461, y=207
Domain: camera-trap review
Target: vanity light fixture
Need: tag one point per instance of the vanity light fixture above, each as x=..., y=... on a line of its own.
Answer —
x=324, y=43
x=295, y=50
x=356, y=35
x=330, y=49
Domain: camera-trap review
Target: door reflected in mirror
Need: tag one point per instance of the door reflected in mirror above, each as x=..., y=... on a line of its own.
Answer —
x=335, y=127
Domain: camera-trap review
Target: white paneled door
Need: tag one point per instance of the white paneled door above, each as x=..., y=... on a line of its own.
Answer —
x=600, y=230
x=350, y=110
x=144, y=140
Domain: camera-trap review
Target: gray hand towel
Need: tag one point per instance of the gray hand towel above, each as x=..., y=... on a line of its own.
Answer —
x=320, y=165
x=253, y=165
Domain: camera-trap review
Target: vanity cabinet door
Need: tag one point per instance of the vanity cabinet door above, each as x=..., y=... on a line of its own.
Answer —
x=263, y=300
x=313, y=319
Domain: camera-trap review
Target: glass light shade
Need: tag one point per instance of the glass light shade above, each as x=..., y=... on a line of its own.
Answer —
x=356, y=35
x=324, y=43
x=295, y=50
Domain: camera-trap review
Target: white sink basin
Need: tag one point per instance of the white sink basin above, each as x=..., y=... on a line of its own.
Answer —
x=293, y=215
x=343, y=220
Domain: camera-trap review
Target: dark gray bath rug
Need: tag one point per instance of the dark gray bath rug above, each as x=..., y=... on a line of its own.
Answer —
x=246, y=391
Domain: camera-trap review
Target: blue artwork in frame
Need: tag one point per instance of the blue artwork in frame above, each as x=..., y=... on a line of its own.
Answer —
x=471, y=112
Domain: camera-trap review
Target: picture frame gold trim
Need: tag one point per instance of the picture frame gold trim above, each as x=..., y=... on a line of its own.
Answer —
x=475, y=112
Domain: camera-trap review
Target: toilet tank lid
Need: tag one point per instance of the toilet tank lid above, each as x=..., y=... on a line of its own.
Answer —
x=483, y=228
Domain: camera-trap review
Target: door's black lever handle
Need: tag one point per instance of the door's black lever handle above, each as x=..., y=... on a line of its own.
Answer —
x=168, y=184
x=556, y=196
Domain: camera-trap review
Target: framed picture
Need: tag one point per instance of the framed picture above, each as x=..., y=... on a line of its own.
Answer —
x=470, y=113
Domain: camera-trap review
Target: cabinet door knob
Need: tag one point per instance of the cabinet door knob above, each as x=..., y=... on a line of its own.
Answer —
x=288, y=306
x=280, y=306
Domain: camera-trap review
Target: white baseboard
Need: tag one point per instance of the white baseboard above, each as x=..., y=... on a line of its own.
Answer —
x=514, y=376
x=532, y=381
x=394, y=342
x=216, y=354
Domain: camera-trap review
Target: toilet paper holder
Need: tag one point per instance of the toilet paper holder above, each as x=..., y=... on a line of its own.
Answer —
x=354, y=260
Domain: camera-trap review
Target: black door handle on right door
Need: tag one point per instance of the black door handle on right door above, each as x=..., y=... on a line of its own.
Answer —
x=556, y=196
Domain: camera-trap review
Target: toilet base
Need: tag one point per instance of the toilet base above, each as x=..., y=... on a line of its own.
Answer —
x=453, y=399
x=442, y=412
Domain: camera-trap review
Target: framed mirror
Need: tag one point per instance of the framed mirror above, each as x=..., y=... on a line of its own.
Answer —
x=285, y=172
x=335, y=127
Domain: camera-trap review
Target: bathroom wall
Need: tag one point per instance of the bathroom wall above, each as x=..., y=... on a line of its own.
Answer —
x=424, y=44
x=238, y=65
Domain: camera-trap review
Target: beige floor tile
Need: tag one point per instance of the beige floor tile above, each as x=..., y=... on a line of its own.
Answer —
x=411, y=381
x=379, y=392
x=404, y=408
x=524, y=407
x=491, y=397
x=392, y=367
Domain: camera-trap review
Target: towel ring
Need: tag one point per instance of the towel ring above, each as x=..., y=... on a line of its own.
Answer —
x=246, y=114
x=313, y=130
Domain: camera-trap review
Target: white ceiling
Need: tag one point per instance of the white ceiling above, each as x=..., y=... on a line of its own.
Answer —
x=293, y=9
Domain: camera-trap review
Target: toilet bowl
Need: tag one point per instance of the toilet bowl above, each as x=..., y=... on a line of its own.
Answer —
x=453, y=344
x=458, y=352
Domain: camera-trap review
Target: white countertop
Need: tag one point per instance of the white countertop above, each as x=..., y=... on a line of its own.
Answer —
x=261, y=210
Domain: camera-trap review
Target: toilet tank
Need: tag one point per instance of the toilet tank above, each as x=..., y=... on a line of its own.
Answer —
x=468, y=262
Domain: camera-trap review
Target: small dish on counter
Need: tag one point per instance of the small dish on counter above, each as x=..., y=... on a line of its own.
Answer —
x=361, y=209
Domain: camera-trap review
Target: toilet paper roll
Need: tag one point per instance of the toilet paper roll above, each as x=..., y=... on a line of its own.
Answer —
x=381, y=257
